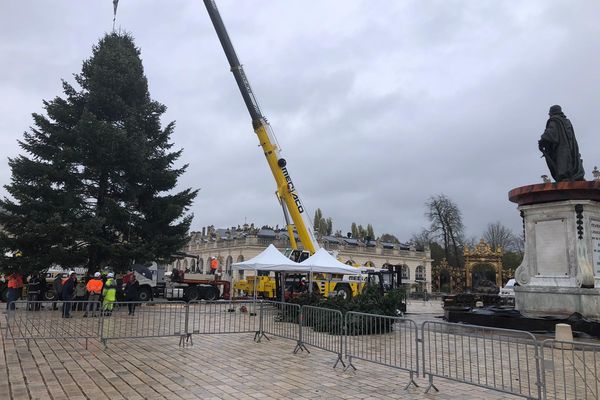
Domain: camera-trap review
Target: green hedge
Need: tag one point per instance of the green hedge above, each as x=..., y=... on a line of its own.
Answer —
x=370, y=301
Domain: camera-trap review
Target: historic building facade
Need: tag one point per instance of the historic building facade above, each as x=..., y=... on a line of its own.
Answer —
x=237, y=244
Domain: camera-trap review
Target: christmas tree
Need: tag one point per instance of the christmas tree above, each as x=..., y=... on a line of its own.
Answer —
x=95, y=185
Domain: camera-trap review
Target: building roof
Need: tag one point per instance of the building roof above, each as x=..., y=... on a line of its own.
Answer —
x=266, y=233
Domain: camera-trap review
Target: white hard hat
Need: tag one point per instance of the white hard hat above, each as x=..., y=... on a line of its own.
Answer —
x=110, y=275
x=97, y=275
x=71, y=272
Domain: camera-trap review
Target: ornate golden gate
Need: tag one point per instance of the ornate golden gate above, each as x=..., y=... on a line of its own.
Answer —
x=482, y=253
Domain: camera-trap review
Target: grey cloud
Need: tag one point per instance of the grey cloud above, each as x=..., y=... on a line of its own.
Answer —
x=377, y=105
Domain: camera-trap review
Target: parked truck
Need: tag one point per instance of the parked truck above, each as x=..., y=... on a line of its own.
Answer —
x=154, y=281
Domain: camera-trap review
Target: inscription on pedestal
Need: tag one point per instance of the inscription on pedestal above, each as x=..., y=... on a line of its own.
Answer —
x=551, y=247
x=595, y=224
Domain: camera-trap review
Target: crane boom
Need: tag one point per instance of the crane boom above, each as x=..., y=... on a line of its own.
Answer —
x=286, y=191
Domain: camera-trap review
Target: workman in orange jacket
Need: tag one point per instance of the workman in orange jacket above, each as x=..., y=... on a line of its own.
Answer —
x=15, y=284
x=214, y=265
x=94, y=289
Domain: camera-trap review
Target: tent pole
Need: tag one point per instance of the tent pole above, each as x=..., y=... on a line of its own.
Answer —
x=255, y=278
x=282, y=278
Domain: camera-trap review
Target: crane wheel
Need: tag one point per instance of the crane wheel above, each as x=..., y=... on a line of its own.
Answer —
x=344, y=291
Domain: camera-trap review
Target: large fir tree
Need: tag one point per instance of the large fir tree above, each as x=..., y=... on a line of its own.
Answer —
x=95, y=187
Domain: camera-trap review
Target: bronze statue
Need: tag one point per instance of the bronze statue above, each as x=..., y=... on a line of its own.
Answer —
x=559, y=147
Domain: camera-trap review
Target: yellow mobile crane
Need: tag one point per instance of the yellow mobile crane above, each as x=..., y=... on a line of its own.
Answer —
x=286, y=192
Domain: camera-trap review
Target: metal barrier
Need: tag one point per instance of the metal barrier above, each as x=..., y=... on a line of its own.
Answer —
x=279, y=319
x=322, y=328
x=570, y=370
x=219, y=317
x=127, y=320
x=498, y=359
x=385, y=340
x=28, y=320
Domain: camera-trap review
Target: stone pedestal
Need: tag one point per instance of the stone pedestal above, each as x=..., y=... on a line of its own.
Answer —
x=560, y=272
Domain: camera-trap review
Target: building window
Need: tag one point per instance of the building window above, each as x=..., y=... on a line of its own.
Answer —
x=201, y=265
x=405, y=272
x=420, y=273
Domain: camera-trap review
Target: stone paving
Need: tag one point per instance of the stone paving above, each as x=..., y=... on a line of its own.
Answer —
x=215, y=367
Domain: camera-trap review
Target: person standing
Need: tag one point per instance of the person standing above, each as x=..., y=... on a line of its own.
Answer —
x=109, y=293
x=15, y=285
x=94, y=289
x=34, y=287
x=68, y=290
x=57, y=286
x=132, y=293
x=80, y=293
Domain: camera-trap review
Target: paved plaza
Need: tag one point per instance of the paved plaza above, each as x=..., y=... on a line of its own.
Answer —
x=215, y=367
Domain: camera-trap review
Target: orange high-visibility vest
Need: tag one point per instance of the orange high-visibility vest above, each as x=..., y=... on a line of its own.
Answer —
x=94, y=286
x=15, y=281
x=214, y=263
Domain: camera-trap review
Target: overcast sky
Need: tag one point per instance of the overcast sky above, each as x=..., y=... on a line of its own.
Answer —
x=377, y=104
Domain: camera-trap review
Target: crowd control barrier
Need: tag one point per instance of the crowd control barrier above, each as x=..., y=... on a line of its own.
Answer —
x=322, y=328
x=279, y=319
x=503, y=360
x=389, y=341
x=219, y=317
x=499, y=359
x=570, y=370
x=27, y=320
x=128, y=320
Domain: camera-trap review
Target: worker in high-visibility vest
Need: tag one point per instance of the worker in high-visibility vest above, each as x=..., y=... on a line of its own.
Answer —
x=94, y=289
x=109, y=293
x=214, y=265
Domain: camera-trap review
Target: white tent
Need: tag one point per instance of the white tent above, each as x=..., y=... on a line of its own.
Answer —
x=323, y=262
x=270, y=259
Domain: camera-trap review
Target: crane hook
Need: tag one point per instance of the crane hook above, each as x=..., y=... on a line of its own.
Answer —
x=115, y=5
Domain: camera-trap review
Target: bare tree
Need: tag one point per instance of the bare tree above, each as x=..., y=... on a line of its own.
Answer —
x=446, y=225
x=421, y=239
x=499, y=236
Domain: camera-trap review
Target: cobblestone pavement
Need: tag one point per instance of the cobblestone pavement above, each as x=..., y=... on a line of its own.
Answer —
x=215, y=367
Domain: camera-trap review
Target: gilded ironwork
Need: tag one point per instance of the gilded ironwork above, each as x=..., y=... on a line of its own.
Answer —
x=482, y=253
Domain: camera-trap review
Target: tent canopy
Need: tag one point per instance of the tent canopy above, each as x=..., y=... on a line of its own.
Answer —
x=323, y=262
x=270, y=259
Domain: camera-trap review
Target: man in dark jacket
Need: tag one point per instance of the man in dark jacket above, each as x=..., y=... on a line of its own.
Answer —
x=132, y=293
x=68, y=289
x=57, y=286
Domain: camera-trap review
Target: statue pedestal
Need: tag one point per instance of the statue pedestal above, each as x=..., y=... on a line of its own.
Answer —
x=560, y=272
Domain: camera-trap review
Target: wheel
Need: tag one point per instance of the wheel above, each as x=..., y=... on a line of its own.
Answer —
x=212, y=293
x=145, y=294
x=50, y=295
x=344, y=291
x=191, y=293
